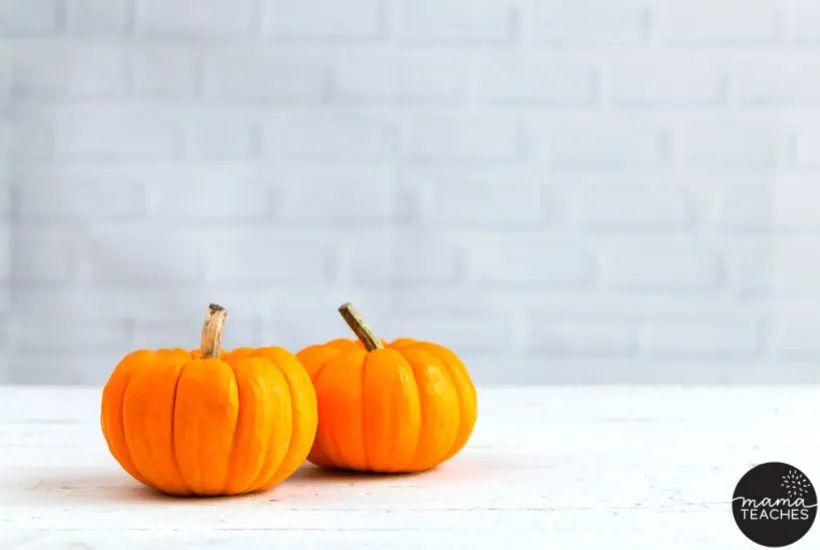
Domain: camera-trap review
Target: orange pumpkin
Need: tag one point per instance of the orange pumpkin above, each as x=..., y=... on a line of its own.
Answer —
x=403, y=406
x=209, y=422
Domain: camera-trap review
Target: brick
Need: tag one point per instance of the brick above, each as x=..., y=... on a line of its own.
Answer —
x=296, y=301
x=371, y=261
x=255, y=257
x=801, y=21
x=418, y=263
x=57, y=334
x=421, y=175
x=686, y=370
x=516, y=260
x=97, y=17
x=579, y=337
x=765, y=208
x=564, y=303
x=486, y=370
x=33, y=137
x=264, y=76
x=343, y=196
x=166, y=71
x=744, y=208
x=652, y=268
x=748, y=268
x=587, y=20
x=5, y=197
x=704, y=337
x=169, y=172
x=81, y=368
x=790, y=270
x=443, y=139
x=5, y=262
x=666, y=81
x=198, y=18
x=608, y=144
x=137, y=254
x=56, y=69
x=523, y=78
x=640, y=207
x=461, y=334
x=75, y=193
x=217, y=196
x=399, y=78
x=213, y=136
x=485, y=203
x=410, y=207
x=28, y=17
x=778, y=80
x=7, y=55
x=807, y=148
x=118, y=134
x=726, y=21
x=446, y=21
x=43, y=255
x=9, y=153
x=154, y=301
x=403, y=257
x=794, y=332
x=732, y=144
x=323, y=19
x=327, y=138
x=5, y=227
x=239, y=330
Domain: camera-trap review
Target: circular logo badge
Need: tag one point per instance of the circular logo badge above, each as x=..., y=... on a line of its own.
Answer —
x=774, y=504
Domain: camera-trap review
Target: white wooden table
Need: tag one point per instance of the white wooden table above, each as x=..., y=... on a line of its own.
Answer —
x=547, y=468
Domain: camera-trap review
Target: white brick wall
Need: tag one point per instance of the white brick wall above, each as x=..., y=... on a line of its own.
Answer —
x=5, y=231
x=587, y=191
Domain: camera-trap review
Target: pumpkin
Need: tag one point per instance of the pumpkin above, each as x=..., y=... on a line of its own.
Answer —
x=209, y=421
x=404, y=406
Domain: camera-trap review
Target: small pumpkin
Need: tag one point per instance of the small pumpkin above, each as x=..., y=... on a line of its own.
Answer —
x=209, y=421
x=403, y=406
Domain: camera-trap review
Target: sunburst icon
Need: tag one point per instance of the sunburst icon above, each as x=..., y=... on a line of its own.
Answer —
x=795, y=483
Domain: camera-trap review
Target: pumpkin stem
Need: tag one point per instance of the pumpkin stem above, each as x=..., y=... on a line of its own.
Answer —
x=212, y=331
x=358, y=326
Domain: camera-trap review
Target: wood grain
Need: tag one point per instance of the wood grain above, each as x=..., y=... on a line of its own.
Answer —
x=563, y=468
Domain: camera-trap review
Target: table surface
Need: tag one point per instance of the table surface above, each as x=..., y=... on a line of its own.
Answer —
x=561, y=468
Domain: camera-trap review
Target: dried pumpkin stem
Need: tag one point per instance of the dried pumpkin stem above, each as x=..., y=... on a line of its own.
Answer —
x=358, y=326
x=212, y=331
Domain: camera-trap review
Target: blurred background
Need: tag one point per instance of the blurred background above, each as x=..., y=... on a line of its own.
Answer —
x=576, y=191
